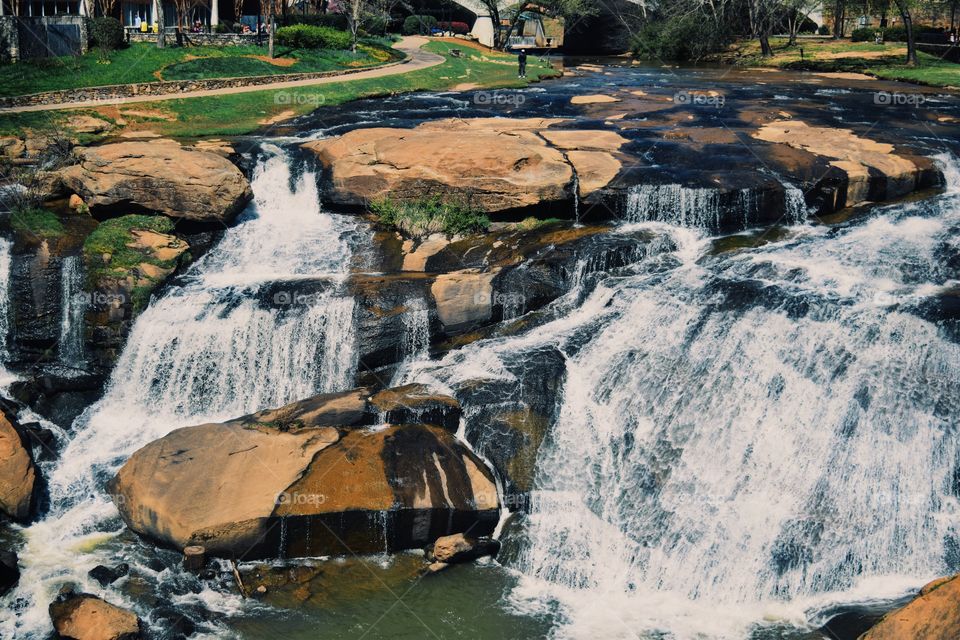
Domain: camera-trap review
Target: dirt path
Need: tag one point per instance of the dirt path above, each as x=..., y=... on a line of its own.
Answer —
x=411, y=45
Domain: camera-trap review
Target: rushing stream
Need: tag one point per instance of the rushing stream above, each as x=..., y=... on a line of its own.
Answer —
x=211, y=349
x=748, y=435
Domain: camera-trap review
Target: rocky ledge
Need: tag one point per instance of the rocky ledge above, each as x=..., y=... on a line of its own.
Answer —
x=157, y=176
x=932, y=615
x=311, y=478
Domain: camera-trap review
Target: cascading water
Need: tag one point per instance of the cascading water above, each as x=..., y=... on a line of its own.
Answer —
x=6, y=259
x=415, y=342
x=755, y=436
x=73, y=306
x=225, y=343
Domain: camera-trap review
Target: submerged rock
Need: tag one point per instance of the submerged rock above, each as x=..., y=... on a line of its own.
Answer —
x=933, y=615
x=87, y=617
x=158, y=176
x=108, y=575
x=305, y=480
x=18, y=475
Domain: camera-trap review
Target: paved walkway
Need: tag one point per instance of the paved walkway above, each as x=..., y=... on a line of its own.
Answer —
x=411, y=45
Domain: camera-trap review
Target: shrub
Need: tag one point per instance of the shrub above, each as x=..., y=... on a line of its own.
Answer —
x=333, y=20
x=685, y=37
x=225, y=27
x=461, y=28
x=865, y=34
x=36, y=221
x=304, y=36
x=432, y=215
x=419, y=25
x=106, y=34
x=824, y=30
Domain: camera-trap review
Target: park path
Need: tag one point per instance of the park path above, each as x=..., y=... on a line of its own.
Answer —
x=417, y=58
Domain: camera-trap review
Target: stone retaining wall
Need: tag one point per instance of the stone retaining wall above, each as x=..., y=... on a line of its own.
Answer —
x=113, y=93
x=197, y=39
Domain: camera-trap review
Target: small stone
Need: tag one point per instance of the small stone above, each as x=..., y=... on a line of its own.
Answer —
x=75, y=202
x=437, y=567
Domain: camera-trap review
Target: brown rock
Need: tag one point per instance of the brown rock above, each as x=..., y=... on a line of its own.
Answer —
x=933, y=615
x=86, y=617
x=159, y=176
x=337, y=488
x=464, y=298
x=498, y=170
x=18, y=476
x=461, y=548
x=75, y=201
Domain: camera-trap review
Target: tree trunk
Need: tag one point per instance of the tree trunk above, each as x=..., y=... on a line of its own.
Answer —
x=271, y=26
x=911, y=36
x=765, y=48
x=838, y=11
x=793, y=24
x=161, y=31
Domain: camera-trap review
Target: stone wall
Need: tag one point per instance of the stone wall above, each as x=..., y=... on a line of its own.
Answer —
x=197, y=39
x=26, y=38
x=114, y=93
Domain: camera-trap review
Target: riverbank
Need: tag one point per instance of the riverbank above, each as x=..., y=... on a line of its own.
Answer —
x=225, y=113
x=884, y=61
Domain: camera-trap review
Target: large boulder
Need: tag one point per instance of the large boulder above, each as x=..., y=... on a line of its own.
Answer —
x=87, y=617
x=308, y=479
x=501, y=164
x=933, y=615
x=158, y=176
x=18, y=475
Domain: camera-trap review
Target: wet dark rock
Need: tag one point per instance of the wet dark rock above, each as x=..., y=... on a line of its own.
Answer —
x=9, y=571
x=59, y=395
x=108, y=575
x=172, y=624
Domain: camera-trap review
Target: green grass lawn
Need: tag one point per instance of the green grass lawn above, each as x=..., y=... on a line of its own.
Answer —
x=241, y=113
x=144, y=62
x=881, y=60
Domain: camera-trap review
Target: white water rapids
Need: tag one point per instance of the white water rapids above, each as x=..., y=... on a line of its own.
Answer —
x=749, y=438
x=208, y=350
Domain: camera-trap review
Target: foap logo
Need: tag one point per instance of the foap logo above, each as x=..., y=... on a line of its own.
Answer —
x=300, y=498
x=898, y=99
x=699, y=99
x=498, y=98
x=292, y=298
x=98, y=298
x=502, y=299
x=285, y=98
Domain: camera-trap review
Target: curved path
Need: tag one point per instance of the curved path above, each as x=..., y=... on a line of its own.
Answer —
x=416, y=59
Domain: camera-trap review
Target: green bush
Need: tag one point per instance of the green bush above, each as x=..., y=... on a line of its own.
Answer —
x=895, y=34
x=225, y=27
x=106, y=33
x=305, y=36
x=432, y=215
x=824, y=30
x=864, y=34
x=686, y=37
x=36, y=221
x=333, y=20
x=419, y=25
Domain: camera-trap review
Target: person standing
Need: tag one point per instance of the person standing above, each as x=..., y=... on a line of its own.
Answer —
x=522, y=60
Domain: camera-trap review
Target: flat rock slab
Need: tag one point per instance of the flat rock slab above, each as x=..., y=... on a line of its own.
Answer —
x=158, y=176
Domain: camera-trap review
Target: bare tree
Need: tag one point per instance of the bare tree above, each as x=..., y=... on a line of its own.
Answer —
x=904, y=6
x=354, y=12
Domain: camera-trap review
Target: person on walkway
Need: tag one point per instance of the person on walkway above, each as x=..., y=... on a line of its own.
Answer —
x=522, y=60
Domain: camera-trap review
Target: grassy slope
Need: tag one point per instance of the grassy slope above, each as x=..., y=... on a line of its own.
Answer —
x=242, y=113
x=883, y=61
x=143, y=62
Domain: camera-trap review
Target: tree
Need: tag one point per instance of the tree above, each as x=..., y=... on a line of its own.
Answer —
x=183, y=9
x=161, y=28
x=566, y=9
x=903, y=6
x=354, y=12
x=839, y=17
x=237, y=9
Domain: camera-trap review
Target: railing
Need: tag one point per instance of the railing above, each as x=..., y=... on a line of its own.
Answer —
x=522, y=41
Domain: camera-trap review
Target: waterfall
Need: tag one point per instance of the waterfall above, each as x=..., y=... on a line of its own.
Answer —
x=706, y=208
x=415, y=340
x=6, y=260
x=235, y=337
x=73, y=305
x=753, y=437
